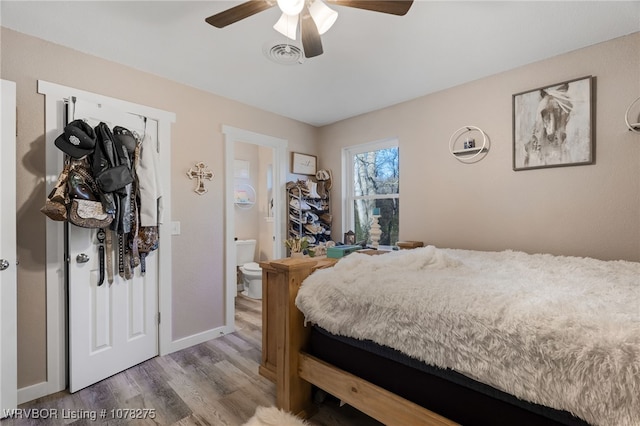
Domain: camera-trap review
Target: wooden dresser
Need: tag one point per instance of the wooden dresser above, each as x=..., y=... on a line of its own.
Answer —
x=280, y=282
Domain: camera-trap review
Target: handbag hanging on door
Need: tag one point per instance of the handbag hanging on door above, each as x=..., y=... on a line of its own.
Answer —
x=56, y=204
x=148, y=241
x=85, y=209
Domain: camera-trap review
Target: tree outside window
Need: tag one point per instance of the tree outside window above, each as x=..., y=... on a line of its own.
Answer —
x=374, y=180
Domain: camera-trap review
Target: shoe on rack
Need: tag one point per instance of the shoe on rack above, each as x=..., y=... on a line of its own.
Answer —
x=315, y=204
x=314, y=228
x=299, y=204
x=326, y=218
x=311, y=239
x=302, y=184
x=311, y=217
x=324, y=238
x=313, y=193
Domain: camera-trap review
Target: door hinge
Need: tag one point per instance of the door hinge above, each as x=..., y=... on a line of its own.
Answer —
x=158, y=318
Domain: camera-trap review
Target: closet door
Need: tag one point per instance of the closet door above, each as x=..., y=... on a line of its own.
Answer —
x=112, y=326
x=8, y=251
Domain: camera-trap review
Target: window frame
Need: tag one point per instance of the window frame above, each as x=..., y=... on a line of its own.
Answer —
x=348, y=187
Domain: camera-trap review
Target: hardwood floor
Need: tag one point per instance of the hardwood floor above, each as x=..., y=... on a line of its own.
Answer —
x=213, y=383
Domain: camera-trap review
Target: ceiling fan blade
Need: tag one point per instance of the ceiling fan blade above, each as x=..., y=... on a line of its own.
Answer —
x=311, y=43
x=394, y=7
x=241, y=11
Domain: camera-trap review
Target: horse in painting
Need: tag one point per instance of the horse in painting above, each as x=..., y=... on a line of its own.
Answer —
x=548, y=141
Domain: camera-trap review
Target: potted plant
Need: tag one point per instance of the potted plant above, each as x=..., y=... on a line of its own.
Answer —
x=297, y=246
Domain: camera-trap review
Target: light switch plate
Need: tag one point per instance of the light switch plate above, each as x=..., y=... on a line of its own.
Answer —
x=175, y=228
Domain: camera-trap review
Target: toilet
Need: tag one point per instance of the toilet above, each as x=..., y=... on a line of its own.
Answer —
x=251, y=271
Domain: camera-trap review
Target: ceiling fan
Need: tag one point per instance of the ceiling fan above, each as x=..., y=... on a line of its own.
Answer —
x=313, y=17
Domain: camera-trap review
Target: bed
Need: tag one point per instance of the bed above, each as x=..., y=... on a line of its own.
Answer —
x=481, y=336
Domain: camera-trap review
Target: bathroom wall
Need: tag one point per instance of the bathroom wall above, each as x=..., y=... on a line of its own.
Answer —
x=255, y=223
x=247, y=219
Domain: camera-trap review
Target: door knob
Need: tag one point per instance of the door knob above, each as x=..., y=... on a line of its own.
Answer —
x=4, y=264
x=82, y=258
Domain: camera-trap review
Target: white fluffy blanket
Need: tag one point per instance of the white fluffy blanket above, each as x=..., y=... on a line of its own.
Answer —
x=558, y=331
x=272, y=416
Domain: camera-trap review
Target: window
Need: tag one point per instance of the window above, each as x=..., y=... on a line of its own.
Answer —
x=372, y=174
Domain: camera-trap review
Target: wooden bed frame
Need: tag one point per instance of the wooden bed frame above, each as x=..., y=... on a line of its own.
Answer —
x=285, y=360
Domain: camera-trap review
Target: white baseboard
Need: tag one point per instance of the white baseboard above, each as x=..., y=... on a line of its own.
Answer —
x=196, y=339
x=32, y=392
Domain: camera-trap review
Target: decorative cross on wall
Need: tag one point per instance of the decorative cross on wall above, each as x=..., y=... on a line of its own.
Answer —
x=198, y=172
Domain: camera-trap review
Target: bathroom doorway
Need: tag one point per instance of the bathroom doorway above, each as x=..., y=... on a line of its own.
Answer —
x=253, y=205
x=253, y=197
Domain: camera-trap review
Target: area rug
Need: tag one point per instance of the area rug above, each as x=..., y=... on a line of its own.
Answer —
x=272, y=416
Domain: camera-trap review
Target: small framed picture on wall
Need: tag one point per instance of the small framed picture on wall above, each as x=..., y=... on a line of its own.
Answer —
x=350, y=238
x=303, y=164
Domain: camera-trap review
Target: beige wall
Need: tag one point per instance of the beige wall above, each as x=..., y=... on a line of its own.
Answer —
x=587, y=210
x=591, y=210
x=198, y=252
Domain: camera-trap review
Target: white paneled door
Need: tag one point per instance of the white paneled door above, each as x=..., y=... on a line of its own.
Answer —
x=111, y=326
x=8, y=251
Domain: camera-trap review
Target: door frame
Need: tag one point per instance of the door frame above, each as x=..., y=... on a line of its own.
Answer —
x=55, y=97
x=231, y=136
x=8, y=280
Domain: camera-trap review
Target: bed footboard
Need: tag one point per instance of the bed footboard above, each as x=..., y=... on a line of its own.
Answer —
x=285, y=360
x=284, y=335
x=372, y=400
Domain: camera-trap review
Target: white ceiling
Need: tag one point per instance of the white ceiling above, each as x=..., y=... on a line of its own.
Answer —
x=370, y=61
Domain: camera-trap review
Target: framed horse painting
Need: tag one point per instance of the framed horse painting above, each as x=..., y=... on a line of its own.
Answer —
x=553, y=126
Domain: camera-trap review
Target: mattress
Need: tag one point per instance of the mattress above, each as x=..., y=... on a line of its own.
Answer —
x=443, y=391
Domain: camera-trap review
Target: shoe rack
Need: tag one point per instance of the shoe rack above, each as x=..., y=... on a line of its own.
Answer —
x=309, y=211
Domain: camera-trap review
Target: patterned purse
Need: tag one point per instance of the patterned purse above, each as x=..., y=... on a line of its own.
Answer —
x=85, y=209
x=56, y=204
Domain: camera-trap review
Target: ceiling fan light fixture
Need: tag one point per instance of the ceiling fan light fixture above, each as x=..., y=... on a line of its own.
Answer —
x=322, y=15
x=287, y=25
x=291, y=7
